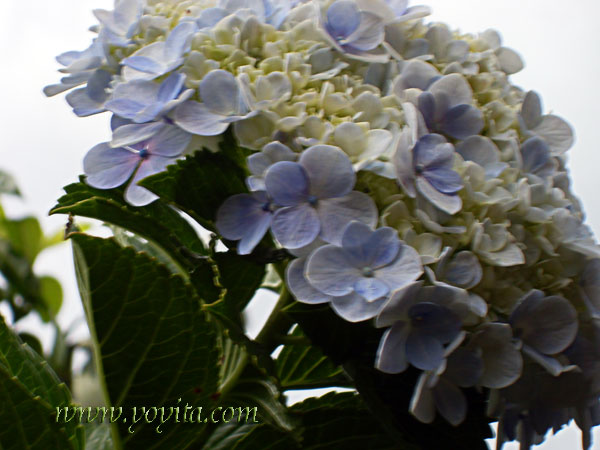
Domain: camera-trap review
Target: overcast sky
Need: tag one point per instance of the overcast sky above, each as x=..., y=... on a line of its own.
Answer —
x=43, y=143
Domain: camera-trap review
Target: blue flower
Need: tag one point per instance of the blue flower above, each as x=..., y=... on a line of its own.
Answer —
x=427, y=167
x=353, y=31
x=160, y=57
x=245, y=217
x=107, y=167
x=446, y=108
x=123, y=22
x=316, y=197
x=537, y=159
x=259, y=163
x=368, y=263
x=420, y=326
x=222, y=104
x=91, y=99
x=142, y=100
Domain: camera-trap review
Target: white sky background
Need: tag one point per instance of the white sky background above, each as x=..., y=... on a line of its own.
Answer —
x=43, y=143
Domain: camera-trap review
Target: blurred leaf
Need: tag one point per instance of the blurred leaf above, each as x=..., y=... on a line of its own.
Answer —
x=8, y=184
x=52, y=293
x=33, y=342
x=30, y=392
x=306, y=367
x=25, y=236
x=154, y=344
x=98, y=437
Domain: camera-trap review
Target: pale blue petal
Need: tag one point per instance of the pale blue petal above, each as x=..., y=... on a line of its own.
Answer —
x=397, y=306
x=432, y=150
x=138, y=195
x=144, y=64
x=427, y=106
x=423, y=351
x=329, y=170
x=246, y=217
x=391, y=354
x=405, y=269
x=169, y=142
x=464, y=270
x=179, y=40
x=531, y=110
x=287, y=183
x=450, y=204
x=444, y=180
x=418, y=74
x=107, y=167
x=329, y=271
x=219, y=91
x=371, y=288
x=295, y=226
x=464, y=367
x=368, y=35
x=451, y=90
x=134, y=133
x=336, y=213
x=462, y=121
x=196, y=118
x=371, y=248
x=354, y=308
x=97, y=85
x=170, y=88
x=210, y=17
x=299, y=285
x=343, y=18
x=82, y=104
x=536, y=157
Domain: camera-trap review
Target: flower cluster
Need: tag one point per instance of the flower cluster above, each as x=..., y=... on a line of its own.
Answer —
x=411, y=181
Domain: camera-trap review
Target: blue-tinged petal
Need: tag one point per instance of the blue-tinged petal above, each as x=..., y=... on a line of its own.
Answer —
x=169, y=142
x=551, y=364
x=329, y=271
x=464, y=270
x=403, y=163
x=138, y=195
x=107, y=167
x=329, y=170
x=240, y=213
x=435, y=320
x=343, y=18
x=178, y=41
x=372, y=248
x=97, y=85
x=548, y=324
x=140, y=92
x=254, y=234
x=432, y=150
x=398, y=6
x=210, y=17
x=371, y=288
x=170, y=88
x=450, y=402
x=483, y=152
x=418, y=74
x=82, y=104
x=287, y=183
x=536, y=157
x=295, y=226
x=423, y=351
x=276, y=151
x=391, y=353
x=397, y=306
x=444, y=180
x=369, y=34
x=502, y=361
x=299, y=286
x=220, y=92
x=422, y=404
x=531, y=110
x=450, y=204
x=464, y=367
x=462, y=121
x=196, y=118
x=355, y=308
x=336, y=213
x=405, y=269
x=145, y=64
x=427, y=106
x=134, y=133
x=451, y=90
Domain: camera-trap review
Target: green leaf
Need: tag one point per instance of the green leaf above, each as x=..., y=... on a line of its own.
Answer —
x=52, y=294
x=306, y=367
x=30, y=392
x=8, y=184
x=388, y=396
x=199, y=184
x=242, y=436
x=25, y=236
x=241, y=277
x=154, y=344
x=155, y=222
